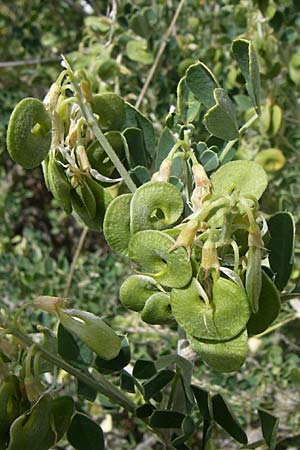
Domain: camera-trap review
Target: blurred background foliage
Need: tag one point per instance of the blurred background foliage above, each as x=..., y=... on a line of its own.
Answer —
x=116, y=43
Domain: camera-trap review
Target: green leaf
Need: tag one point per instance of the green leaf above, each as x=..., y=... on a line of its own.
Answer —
x=138, y=51
x=165, y=143
x=85, y=434
x=220, y=119
x=50, y=343
x=203, y=401
x=269, y=427
x=135, y=151
x=202, y=83
x=166, y=419
x=127, y=382
x=145, y=410
x=157, y=382
x=186, y=371
x=62, y=409
x=85, y=391
x=209, y=159
x=72, y=349
x=188, y=106
x=140, y=175
x=281, y=245
x=226, y=419
x=108, y=68
x=294, y=66
x=268, y=307
x=246, y=177
x=144, y=369
x=110, y=108
x=135, y=119
x=139, y=24
x=118, y=363
x=246, y=58
x=187, y=429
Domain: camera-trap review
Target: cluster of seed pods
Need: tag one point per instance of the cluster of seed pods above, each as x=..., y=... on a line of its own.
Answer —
x=202, y=271
x=197, y=256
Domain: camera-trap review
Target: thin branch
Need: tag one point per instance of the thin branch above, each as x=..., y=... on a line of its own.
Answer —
x=100, y=385
x=28, y=62
x=159, y=54
x=278, y=325
x=74, y=261
x=93, y=124
x=230, y=144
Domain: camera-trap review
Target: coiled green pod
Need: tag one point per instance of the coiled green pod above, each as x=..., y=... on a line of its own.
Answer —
x=246, y=177
x=222, y=319
x=32, y=430
x=58, y=184
x=116, y=225
x=136, y=290
x=10, y=407
x=157, y=309
x=225, y=356
x=155, y=205
x=29, y=133
x=151, y=251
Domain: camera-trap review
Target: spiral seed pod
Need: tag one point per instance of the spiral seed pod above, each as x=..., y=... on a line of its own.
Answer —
x=58, y=184
x=157, y=309
x=92, y=330
x=136, y=290
x=225, y=356
x=33, y=430
x=153, y=200
x=10, y=407
x=246, y=177
x=222, y=319
x=29, y=133
x=150, y=250
x=116, y=225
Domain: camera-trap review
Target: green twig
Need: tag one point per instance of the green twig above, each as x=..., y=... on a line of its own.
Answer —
x=230, y=144
x=93, y=124
x=159, y=54
x=278, y=325
x=74, y=261
x=100, y=385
